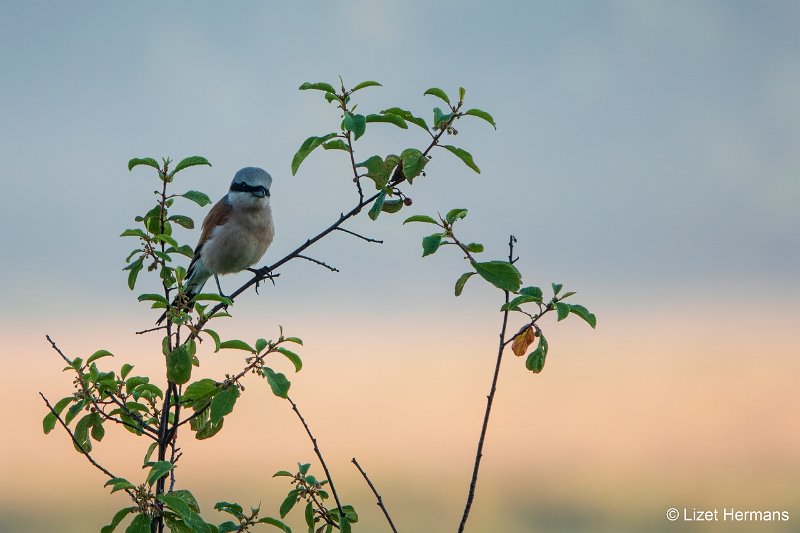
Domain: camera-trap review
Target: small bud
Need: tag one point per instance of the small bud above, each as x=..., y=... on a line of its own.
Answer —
x=407, y=201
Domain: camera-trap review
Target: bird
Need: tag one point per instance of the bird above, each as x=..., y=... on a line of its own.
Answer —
x=235, y=234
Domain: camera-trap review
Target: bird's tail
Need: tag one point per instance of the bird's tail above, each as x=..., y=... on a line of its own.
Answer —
x=195, y=280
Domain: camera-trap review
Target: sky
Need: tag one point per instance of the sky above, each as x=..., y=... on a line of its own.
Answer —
x=645, y=156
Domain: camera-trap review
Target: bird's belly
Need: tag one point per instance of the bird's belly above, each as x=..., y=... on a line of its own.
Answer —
x=233, y=251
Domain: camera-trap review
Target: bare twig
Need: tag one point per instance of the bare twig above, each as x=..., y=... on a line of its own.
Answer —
x=319, y=455
x=78, y=444
x=317, y=261
x=378, y=496
x=368, y=239
x=489, y=400
x=151, y=330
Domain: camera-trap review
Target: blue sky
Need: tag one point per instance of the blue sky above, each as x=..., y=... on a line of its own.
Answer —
x=639, y=144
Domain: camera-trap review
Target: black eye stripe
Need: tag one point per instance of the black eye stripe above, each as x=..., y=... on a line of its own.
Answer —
x=244, y=187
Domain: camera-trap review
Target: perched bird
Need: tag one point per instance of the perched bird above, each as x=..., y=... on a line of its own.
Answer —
x=236, y=232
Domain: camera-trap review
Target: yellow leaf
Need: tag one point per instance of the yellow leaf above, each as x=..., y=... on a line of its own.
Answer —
x=522, y=341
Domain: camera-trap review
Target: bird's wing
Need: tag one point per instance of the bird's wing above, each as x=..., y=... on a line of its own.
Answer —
x=218, y=215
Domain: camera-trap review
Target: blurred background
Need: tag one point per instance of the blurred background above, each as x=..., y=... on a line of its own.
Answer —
x=646, y=156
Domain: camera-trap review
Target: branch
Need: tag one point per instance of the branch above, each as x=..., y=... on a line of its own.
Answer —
x=359, y=235
x=319, y=455
x=78, y=444
x=378, y=496
x=397, y=178
x=142, y=427
x=489, y=400
x=317, y=261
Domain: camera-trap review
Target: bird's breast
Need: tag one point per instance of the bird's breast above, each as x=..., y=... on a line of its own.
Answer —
x=241, y=242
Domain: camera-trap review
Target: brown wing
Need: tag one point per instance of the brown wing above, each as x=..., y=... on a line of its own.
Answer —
x=218, y=215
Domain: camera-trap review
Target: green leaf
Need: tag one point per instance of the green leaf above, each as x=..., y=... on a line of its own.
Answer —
x=183, y=221
x=197, y=197
x=475, y=247
x=223, y=402
x=187, y=497
x=149, y=161
x=364, y=84
x=355, y=123
x=227, y=527
x=209, y=430
x=309, y=516
x=278, y=383
x=397, y=120
x=392, y=206
x=157, y=470
x=462, y=154
x=199, y=390
x=303, y=468
x=150, y=450
x=435, y=91
x=125, y=370
x=179, y=365
x=118, y=483
x=133, y=233
x=306, y=148
x=501, y=274
x=140, y=524
x=421, y=218
x=215, y=336
x=231, y=508
x=275, y=522
x=462, y=281
x=535, y=292
x=562, y=310
x=413, y=163
x=336, y=144
x=282, y=473
x=376, y=208
x=567, y=295
x=152, y=298
x=210, y=297
x=379, y=170
x=319, y=86
x=98, y=431
x=190, y=162
x=461, y=93
x=190, y=518
x=584, y=313
x=556, y=288
x=536, y=359
x=134, y=268
x=481, y=114
x=296, y=340
x=455, y=214
x=406, y=115
x=293, y=357
x=289, y=502
x=236, y=344
x=431, y=243
x=83, y=444
x=119, y=516
x=440, y=118
x=49, y=421
x=514, y=304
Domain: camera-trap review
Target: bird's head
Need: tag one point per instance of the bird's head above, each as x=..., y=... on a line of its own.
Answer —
x=250, y=187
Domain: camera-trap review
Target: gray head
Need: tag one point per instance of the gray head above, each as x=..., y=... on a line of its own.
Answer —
x=253, y=180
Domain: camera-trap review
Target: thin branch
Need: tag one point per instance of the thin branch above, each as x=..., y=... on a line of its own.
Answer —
x=489, y=400
x=78, y=444
x=397, y=178
x=319, y=455
x=141, y=427
x=151, y=330
x=368, y=239
x=317, y=261
x=378, y=496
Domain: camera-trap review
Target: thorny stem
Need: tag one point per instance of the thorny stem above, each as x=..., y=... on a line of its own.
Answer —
x=489, y=400
x=378, y=496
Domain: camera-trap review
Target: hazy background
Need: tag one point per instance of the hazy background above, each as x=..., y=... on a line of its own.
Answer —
x=646, y=156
